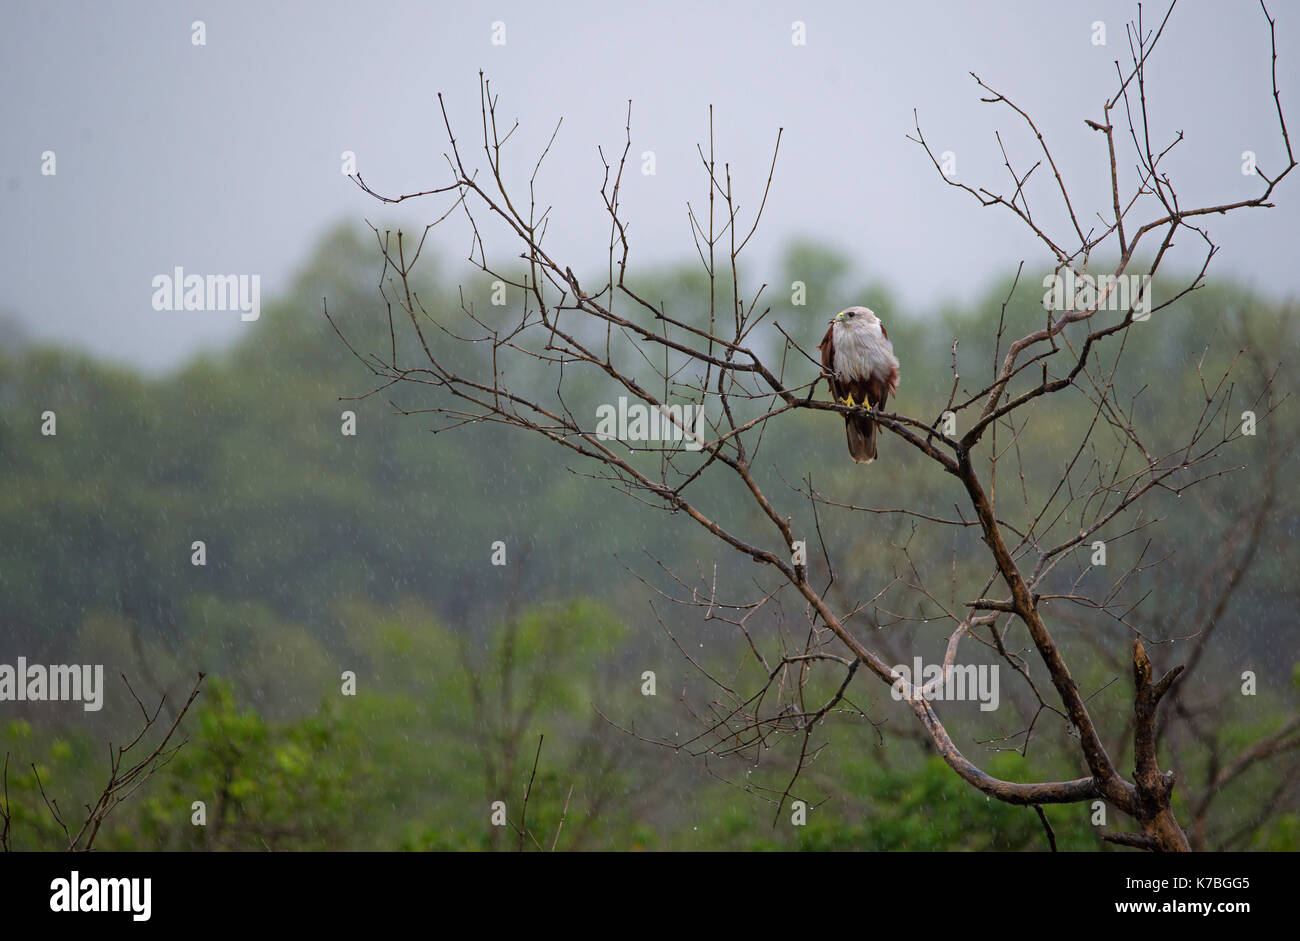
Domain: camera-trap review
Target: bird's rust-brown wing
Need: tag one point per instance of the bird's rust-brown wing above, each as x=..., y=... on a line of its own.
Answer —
x=827, y=347
x=877, y=392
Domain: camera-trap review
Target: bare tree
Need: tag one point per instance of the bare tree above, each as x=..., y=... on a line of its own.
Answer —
x=712, y=359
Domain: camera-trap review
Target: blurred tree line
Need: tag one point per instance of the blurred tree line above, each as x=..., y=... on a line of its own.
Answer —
x=372, y=553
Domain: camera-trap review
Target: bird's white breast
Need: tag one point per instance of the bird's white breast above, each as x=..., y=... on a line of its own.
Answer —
x=862, y=351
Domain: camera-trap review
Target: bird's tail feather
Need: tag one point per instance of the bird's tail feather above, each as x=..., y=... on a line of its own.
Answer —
x=862, y=438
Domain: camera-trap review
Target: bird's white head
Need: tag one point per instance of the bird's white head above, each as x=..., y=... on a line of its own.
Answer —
x=856, y=317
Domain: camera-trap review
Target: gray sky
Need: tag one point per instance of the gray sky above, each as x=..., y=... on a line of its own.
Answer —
x=225, y=158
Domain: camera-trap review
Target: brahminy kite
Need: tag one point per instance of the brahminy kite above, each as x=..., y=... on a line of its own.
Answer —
x=858, y=357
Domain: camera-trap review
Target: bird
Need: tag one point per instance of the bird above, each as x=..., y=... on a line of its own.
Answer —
x=859, y=359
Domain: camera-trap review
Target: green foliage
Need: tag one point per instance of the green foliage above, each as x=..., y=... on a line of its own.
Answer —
x=264, y=785
x=919, y=808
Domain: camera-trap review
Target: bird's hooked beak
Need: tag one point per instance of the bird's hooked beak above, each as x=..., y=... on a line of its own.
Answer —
x=837, y=318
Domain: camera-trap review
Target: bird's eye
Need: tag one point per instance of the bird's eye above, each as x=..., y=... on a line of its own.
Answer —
x=852, y=314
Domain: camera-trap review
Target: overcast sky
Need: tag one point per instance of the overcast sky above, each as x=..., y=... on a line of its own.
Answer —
x=225, y=157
